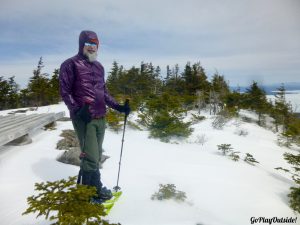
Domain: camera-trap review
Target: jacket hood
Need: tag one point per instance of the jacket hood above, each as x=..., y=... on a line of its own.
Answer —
x=87, y=36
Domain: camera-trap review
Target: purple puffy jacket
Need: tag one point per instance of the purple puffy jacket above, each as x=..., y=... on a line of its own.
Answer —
x=83, y=82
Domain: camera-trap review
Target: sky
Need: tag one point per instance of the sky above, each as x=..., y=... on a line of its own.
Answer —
x=244, y=40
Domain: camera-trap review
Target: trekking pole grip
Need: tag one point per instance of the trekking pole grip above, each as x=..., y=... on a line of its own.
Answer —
x=127, y=102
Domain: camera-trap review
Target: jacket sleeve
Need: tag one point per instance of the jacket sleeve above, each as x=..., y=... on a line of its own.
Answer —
x=66, y=80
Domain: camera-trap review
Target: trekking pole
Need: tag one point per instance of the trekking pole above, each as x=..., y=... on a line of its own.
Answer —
x=117, y=188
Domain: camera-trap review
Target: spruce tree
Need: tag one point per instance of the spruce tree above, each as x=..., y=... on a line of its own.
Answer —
x=112, y=79
x=53, y=90
x=195, y=78
x=4, y=90
x=38, y=86
x=281, y=109
x=220, y=86
x=256, y=100
x=174, y=84
x=13, y=93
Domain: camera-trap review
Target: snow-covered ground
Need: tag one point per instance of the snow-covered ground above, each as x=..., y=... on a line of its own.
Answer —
x=219, y=191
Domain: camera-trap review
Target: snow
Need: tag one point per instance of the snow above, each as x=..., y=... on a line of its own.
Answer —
x=219, y=191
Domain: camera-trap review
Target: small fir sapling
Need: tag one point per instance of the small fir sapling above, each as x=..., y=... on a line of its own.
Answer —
x=65, y=202
x=250, y=159
x=234, y=156
x=225, y=148
x=294, y=195
x=168, y=191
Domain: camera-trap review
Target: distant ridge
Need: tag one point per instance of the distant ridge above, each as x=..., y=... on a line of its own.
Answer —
x=269, y=89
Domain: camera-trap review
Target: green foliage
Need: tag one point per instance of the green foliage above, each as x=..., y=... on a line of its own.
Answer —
x=292, y=131
x=12, y=95
x=284, y=120
x=168, y=191
x=222, y=118
x=114, y=120
x=53, y=88
x=250, y=159
x=38, y=86
x=136, y=83
x=40, y=90
x=225, y=148
x=134, y=126
x=4, y=89
x=234, y=99
x=234, y=156
x=284, y=139
x=164, y=102
x=295, y=161
x=195, y=78
x=220, y=86
x=197, y=118
x=65, y=203
x=256, y=100
x=173, y=82
x=162, y=115
x=164, y=125
x=294, y=195
x=9, y=93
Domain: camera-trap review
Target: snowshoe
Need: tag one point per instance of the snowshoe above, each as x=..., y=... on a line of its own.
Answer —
x=108, y=204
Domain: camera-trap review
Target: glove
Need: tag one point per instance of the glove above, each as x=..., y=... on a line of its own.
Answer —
x=82, y=155
x=124, y=108
x=84, y=114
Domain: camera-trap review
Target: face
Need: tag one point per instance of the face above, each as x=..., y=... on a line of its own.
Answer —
x=90, y=51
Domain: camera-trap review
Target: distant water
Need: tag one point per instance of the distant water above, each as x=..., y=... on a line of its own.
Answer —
x=292, y=96
x=292, y=93
x=291, y=88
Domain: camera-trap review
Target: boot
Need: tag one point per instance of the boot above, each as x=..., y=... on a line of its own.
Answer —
x=105, y=194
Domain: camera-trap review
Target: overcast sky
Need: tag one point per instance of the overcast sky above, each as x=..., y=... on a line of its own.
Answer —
x=244, y=40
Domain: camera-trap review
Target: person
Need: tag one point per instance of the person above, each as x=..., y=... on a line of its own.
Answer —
x=82, y=88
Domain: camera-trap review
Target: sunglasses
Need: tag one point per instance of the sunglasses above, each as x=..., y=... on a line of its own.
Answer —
x=90, y=44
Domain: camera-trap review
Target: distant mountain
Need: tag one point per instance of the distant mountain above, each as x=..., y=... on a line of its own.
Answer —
x=269, y=89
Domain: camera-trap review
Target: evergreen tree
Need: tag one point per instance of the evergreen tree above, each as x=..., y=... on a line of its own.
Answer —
x=281, y=112
x=256, y=100
x=157, y=80
x=220, y=86
x=169, y=73
x=174, y=83
x=24, y=97
x=53, y=90
x=188, y=78
x=38, y=86
x=4, y=90
x=13, y=93
x=195, y=78
x=111, y=81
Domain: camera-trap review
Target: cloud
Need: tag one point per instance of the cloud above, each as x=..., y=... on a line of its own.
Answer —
x=235, y=36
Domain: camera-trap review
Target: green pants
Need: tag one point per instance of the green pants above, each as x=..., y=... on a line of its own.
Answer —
x=90, y=137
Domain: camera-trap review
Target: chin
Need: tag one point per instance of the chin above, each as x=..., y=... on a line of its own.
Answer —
x=91, y=57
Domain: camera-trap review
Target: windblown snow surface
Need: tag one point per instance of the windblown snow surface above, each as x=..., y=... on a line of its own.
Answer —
x=219, y=191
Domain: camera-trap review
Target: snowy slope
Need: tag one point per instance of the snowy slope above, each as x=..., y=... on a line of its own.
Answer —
x=219, y=191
